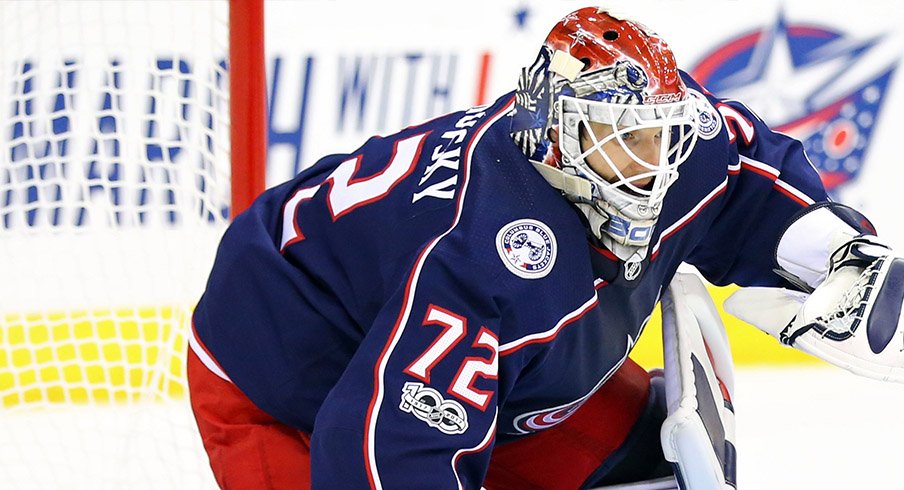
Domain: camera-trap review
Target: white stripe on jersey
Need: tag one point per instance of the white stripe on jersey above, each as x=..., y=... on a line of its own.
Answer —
x=760, y=165
x=202, y=354
x=548, y=335
x=781, y=183
x=793, y=190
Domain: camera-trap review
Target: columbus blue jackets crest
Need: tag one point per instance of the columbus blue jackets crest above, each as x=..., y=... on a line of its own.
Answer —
x=527, y=248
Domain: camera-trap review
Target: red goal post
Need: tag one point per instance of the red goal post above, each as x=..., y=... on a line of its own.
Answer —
x=131, y=132
x=248, y=95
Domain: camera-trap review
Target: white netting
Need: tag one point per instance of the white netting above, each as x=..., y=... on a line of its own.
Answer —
x=114, y=190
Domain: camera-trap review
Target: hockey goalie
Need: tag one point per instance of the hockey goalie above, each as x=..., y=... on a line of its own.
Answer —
x=453, y=305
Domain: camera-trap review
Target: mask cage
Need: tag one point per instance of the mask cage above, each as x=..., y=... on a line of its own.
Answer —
x=677, y=137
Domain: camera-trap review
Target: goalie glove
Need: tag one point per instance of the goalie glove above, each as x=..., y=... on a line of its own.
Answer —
x=852, y=319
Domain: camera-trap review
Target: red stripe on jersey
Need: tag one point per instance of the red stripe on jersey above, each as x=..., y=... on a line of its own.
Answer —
x=377, y=374
x=759, y=171
x=772, y=174
x=718, y=191
x=549, y=335
x=605, y=253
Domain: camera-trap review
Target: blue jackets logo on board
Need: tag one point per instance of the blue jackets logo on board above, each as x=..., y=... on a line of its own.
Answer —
x=811, y=82
x=527, y=248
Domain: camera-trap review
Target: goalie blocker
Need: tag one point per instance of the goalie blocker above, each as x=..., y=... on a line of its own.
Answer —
x=848, y=306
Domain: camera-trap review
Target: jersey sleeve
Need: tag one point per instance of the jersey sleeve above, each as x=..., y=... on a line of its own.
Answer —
x=417, y=406
x=770, y=179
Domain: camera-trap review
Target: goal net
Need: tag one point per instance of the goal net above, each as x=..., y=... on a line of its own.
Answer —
x=114, y=190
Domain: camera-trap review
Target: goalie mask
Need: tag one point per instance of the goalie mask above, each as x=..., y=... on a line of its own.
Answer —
x=606, y=119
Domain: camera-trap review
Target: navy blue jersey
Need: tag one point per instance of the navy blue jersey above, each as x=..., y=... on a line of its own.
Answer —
x=429, y=295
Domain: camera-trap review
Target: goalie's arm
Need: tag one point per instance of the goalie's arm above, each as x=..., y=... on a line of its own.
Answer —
x=416, y=406
x=770, y=180
x=852, y=318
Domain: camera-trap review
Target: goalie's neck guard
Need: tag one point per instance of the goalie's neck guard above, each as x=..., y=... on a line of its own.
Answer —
x=580, y=192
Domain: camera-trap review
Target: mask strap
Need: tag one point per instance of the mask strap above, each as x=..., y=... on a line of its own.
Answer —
x=572, y=185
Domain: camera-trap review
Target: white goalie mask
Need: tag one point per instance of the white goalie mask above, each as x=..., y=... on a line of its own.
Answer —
x=623, y=121
x=636, y=151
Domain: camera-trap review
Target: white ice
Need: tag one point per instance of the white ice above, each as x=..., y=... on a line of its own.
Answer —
x=816, y=428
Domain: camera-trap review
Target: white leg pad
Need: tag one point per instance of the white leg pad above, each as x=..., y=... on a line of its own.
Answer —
x=698, y=435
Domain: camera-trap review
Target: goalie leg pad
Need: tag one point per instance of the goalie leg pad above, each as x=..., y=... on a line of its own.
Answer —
x=698, y=435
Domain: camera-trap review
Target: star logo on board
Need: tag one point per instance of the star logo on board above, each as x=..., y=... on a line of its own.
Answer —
x=814, y=83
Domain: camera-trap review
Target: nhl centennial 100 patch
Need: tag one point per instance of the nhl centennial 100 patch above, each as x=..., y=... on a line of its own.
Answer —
x=527, y=247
